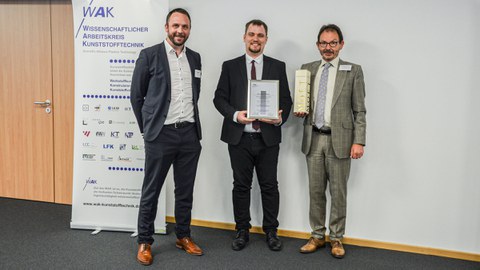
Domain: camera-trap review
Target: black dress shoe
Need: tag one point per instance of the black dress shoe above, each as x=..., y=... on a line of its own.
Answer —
x=273, y=241
x=241, y=240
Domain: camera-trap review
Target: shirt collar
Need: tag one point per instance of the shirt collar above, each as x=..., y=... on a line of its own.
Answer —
x=170, y=49
x=334, y=62
x=258, y=60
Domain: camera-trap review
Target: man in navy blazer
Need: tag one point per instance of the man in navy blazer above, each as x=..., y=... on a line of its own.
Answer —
x=164, y=95
x=252, y=143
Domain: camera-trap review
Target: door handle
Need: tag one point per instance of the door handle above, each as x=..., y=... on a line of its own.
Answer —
x=45, y=103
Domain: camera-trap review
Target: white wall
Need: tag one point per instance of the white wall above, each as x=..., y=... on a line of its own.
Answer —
x=418, y=182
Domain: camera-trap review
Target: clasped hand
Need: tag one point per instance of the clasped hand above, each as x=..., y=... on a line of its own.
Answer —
x=300, y=114
x=242, y=118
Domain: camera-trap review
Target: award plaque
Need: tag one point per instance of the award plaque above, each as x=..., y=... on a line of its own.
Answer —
x=302, y=91
x=263, y=99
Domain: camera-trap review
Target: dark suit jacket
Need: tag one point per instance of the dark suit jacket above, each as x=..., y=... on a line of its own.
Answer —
x=231, y=96
x=151, y=89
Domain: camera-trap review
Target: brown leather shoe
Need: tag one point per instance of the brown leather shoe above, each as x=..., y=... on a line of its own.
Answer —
x=337, y=249
x=189, y=246
x=144, y=255
x=312, y=245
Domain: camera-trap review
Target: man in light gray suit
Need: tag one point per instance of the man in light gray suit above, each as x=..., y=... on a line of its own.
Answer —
x=334, y=133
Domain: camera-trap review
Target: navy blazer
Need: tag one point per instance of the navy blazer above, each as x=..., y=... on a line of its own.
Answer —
x=151, y=89
x=231, y=96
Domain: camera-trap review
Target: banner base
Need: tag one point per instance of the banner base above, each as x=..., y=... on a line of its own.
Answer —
x=114, y=228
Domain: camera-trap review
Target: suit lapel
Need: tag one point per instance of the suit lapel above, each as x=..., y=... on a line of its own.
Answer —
x=163, y=61
x=267, y=64
x=242, y=64
x=339, y=81
x=313, y=73
x=314, y=68
x=192, y=64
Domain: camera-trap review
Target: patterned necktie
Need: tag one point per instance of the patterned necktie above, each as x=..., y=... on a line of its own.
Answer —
x=253, y=76
x=322, y=96
x=253, y=73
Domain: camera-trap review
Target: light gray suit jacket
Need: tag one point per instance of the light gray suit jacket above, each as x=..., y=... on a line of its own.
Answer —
x=348, y=120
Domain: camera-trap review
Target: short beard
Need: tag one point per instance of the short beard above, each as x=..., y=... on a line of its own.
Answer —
x=254, y=51
x=172, y=39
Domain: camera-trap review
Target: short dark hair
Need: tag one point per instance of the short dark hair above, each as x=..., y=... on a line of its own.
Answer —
x=330, y=27
x=257, y=22
x=178, y=10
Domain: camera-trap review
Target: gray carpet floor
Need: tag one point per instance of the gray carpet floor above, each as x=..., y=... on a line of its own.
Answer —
x=35, y=235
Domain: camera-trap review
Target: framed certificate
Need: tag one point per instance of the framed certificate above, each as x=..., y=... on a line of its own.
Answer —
x=263, y=99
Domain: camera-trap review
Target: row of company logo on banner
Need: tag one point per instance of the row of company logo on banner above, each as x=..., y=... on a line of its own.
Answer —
x=111, y=138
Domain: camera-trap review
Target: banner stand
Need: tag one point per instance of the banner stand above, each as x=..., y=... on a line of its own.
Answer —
x=109, y=153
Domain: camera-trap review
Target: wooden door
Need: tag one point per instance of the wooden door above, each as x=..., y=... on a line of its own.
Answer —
x=63, y=95
x=26, y=130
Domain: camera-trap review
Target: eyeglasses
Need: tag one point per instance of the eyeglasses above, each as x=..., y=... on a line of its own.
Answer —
x=324, y=44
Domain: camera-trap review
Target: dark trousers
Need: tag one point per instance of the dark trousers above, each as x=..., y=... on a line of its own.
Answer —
x=181, y=148
x=252, y=153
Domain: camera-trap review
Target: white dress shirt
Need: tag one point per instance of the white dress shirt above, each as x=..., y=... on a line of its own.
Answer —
x=259, y=72
x=181, y=103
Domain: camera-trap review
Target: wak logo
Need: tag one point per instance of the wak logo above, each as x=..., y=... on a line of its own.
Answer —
x=89, y=181
x=86, y=133
x=95, y=12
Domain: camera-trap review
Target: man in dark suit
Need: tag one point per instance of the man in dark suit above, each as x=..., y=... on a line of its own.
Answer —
x=164, y=95
x=334, y=133
x=252, y=143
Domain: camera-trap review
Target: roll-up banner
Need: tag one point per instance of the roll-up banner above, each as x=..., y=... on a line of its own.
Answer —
x=109, y=156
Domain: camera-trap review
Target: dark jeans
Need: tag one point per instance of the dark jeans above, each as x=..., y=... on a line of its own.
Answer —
x=252, y=153
x=181, y=148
